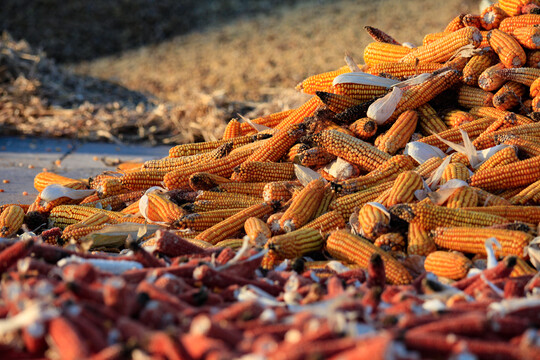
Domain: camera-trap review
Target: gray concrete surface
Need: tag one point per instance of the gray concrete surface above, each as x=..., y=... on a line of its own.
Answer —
x=21, y=158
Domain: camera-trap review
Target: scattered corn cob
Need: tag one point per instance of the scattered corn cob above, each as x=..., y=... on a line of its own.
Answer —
x=327, y=222
x=399, y=133
x=374, y=221
x=363, y=128
x=489, y=79
x=320, y=82
x=419, y=241
x=46, y=178
x=303, y=206
x=271, y=121
x=206, y=181
x=257, y=231
x=258, y=171
x=403, y=69
x=232, y=130
x=204, y=220
x=377, y=52
x=296, y=243
x=470, y=97
x=473, y=130
x=64, y=215
x=454, y=117
x=512, y=22
x=520, y=173
x=403, y=188
x=92, y=223
x=315, y=157
x=391, y=242
x=509, y=50
x=455, y=171
x=491, y=17
x=509, y=95
x=527, y=214
x=451, y=265
x=531, y=194
x=428, y=120
x=11, y=220
x=254, y=189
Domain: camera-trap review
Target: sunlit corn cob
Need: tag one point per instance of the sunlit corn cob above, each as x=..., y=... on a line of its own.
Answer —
x=522, y=268
x=502, y=157
x=142, y=179
x=489, y=80
x=254, y=189
x=345, y=246
x=294, y=151
x=535, y=88
x=473, y=129
x=351, y=149
x=529, y=146
x=328, y=196
x=360, y=92
x=110, y=187
x=451, y=265
x=444, y=48
x=373, y=221
x=298, y=115
x=46, y=178
x=278, y=145
x=132, y=209
x=270, y=260
x=116, y=202
x=162, y=209
x=11, y=220
x=377, y=52
x=401, y=70
x=513, y=22
x=46, y=206
x=204, y=220
x=472, y=240
x=320, y=82
x=526, y=214
x=470, y=97
x=228, y=227
x=206, y=181
x=383, y=197
x=430, y=216
x=25, y=207
x=296, y=243
x=476, y=65
x=257, y=231
x=258, y=171
x=399, y=133
x=455, y=24
x=363, y=128
x=535, y=104
x=303, y=206
x=472, y=20
x=455, y=117
x=327, y=222
x=279, y=191
x=336, y=102
x=455, y=171
x=271, y=120
x=463, y=197
x=520, y=173
x=485, y=198
x=232, y=130
x=498, y=114
x=531, y=194
x=431, y=37
x=507, y=48
x=220, y=203
x=427, y=167
x=345, y=205
x=315, y=157
x=390, y=242
x=509, y=95
x=403, y=188
x=491, y=17
x=90, y=224
x=217, y=196
x=316, y=125
x=428, y=120
x=510, y=193
x=419, y=242
x=522, y=75
x=528, y=37
x=202, y=147
x=64, y=215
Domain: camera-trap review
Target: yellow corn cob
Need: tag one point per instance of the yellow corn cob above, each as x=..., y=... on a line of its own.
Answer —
x=509, y=95
x=498, y=114
x=399, y=133
x=115, y=202
x=336, y=102
x=535, y=88
x=257, y=231
x=459, y=158
x=472, y=20
x=535, y=104
x=473, y=129
x=296, y=243
x=377, y=52
x=404, y=69
x=486, y=198
x=214, y=195
x=390, y=242
x=328, y=196
x=345, y=246
x=455, y=171
x=228, y=227
x=142, y=179
x=64, y=215
x=25, y=207
x=489, y=80
x=470, y=97
x=232, y=130
x=273, y=223
x=353, y=150
x=476, y=65
x=271, y=121
x=491, y=17
x=509, y=24
x=320, y=82
x=315, y=157
x=110, y=187
x=428, y=120
x=294, y=151
x=403, y=188
x=462, y=197
x=130, y=209
x=327, y=222
x=383, y=197
x=472, y=240
x=278, y=145
x=257, y=171
x=454, y=117
x=45, y=178
x=419, y=241
x=92, y=223
x=507, y=48
x=234, y=244
x=428, y=167
x=529, y=146
x=522, y=268
x=502, y=157
x=204, y=220
x=455, y=24
x=254, y=189
x=360, y=92
x=202, y=147
x=279, y=191
x=162, y=209
x=520, y=173
x=373, y=221
x=345, y=205
x=451, y=265
x=224, y=203
x=363, y=128
x=531, y=194
x=522, y=75
x=298, y=115
x=527, y=214
x=206, y=181
x=430, y=216
x=431, y=37
x=316, y=125
x=303, y=206
x=11, y=220
x=528, y=37
x=510, y=193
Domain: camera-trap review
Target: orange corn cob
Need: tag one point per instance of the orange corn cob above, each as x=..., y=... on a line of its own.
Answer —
x=486, y=198
x=402, y=191
x=64, y=215
x=500, y=158
x=206, y=181
x=232, y=130
x=353, y=150
x=419, y=241
x=131, y=209
x=303, y=206
x=404, y=69
x=522, y=268
x=390, y=242
x=336, y=102
x=523, y=75
x=45, y=178
x=470, y=97
x=270, y=260
x=399, y=133
x=535, y=104
x=345, y=246
x=377, y=52
x=360, y=92
x=513, y=22
x=320, y=82
x=298, y=115
x=278, y=145
x=254, y=189
x=327, y=222
x=202, y=221
x=509, y=95
x=428, y=167
x=489, y=80
x=257, y=231
x=454, y=117
x=273, y=223
x=472, y=20
x=451, y=265
x=116, y=202
x=202, y=147
x=428, y=120
x=228, y=227
x=535, y=88
x=11, y=220
x=476, y=65
x=279, y=190
x=430, y=216
x=498, y=114
x=271, y=120
x=363, y=128
x=473, y=129
x=92, y=223
x=507, y=48
x=520, y=173
x=315, y=157
x=462, y=197
x=383, y=198
x=529, y=146
x=214, y=195
x=142, y=179
x=444, y=48
x=234, y=244
x=221, y=203
x=526, y=214
x=491, y=17
x=257, y=171
x=455, y=24
x=294, y=151
x=431, y=37
x=296, y=243
x=531, y=194
x=373, y=221
x=109, y=187
x=25, y=207
x=528, y=37
x=317, y=125
x=162, y=209
x=455, y=171
x=328, y=196
x=345, y=205
x=472, y=240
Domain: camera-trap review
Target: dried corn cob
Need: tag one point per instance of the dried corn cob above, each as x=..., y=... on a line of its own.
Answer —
x=92, y=223
x=528, y=37
x=523, y=75
x=296, y=243
x=214, y=195
x=279, y=191
x=428, y=120
x=320, y=82
x=390, y=242
x=327, y=222
x=507, y=48
x=206, y=181
x=535, y=88
x=202, y=221
x=491, y=17
x=454, y=117
x=451, y=265
x=303, y=206
x=531, y=194
x=199, y=206
x=455, y=24
x=520, y=173
x=380, y=36
x=404, y=69
x=278, y=145
x=513, y=22
x=64, y=215
x=529, y=146
x=522, y=268
x=476, y=65
x=419, y=242
x=345, y=205
x=359, y=92
x=46, y=178
x=472, y=240
x=11, y=220
x=403, y=188
x=470, y=97
x=486, y=198
x=162, y=209
x=502, y=157
x=345, y=246
x=257, y=231
x=377, y=52
x=294, y=151
x=527, y=214
x=489, y=80
x=254, y=189
x=428, y=167
x=399, y=133
x=298, y=115
x=202, y=147
x=473, y=129
x=498, y=114
x=374, y=221
x=142, y=179
x=472, y=20
x=271, y=120
x=116, y=202
x=462, y=197
x=232, y=130
x=455, y=171
x=363, y=128
x=336, y=102
x=509, y=95
x=533, y=58
x=431, y=37
x=258, y=171
x=315, y=157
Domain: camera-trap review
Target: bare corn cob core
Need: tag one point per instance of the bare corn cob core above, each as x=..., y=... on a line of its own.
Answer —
x=472, y=240
x=491, y=17
x=345, y=246
x=450, y=265
x=11, y=220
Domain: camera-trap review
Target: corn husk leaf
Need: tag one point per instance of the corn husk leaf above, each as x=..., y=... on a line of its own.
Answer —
x=415, y=80
x=448, y=188
x=351, y=63
x=56, y=191
x=380, y=207
x=363, y=78
x=115, y=235
x=434, y=179
x=340, y=169
x=533, y=250
x=491, y=258
x=257, y=127
x=421, y=152
x=143, y=203
x=305, y=175
x=383, y=108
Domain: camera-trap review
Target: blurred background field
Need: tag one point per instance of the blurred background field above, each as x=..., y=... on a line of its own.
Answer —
x=166, y=71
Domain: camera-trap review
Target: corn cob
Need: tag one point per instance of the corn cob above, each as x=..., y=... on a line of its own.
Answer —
x=257, y=231
x=530, y=146
x=486, y=198
x=220, y=203
x=509, y=95
x=345, y=205
x=489, y=79
x=377, y=52
x=513, y=22
x=277, y=146
x=390, y=242
x=404, y=69
x=142, y=179
x=476, y=65
x=315, y=157
x=162, y=209
x=451, y=265
x=455, y=24
x=64, y=215
x=528, y=37
x=258, y=171
x=336, y=102
x=279, y=191
x=270, y=260
x=131, y=209
x=399, y=133
x=431, y=37
x=298, y=115
x=491, y=17
x=522, y=268
x=271, y=121
x=473, y=129
x=523, y=75
x=444, y=48
x=320, y=82
x=110, y=187
x=526, y=214
x=500, y=158
x=327, y=222
x=296, y=243
x=359, y=92
x=234, y=244
x=498, y=114
x=507, y=48
x=90, y=224
x=345, y=246
x=472, y=240
x=430, y=216
x=317, y=125
x=218, y=196
x=303, y=206
x=380, y=36
x=228, y=227
x=428, y=167
x=454, y=117
x=373, y=221
x=531, y=194
x=363, y=128
x=116, y=202
x=11, y=220
x=535, y=88
x=428, y=120
x=254, y=189
x=509, y=193
x=455, y=171
x=232, y=130
x=520, y=173
x=470, y=97
x=45, y=178
x=25, y=207
x=206, y=181
x=403, y=188
x=353, y=150
x=294, y=151
x=535, y=104
x=462, y=197
x=419, y=241
x=472, y=20
x=204, y=220
x=202, y=147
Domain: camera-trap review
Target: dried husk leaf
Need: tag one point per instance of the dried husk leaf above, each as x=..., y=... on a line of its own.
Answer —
x=56, y=191
x=383, y=108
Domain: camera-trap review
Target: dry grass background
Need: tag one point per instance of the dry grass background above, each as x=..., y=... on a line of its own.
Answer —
x=251, y=62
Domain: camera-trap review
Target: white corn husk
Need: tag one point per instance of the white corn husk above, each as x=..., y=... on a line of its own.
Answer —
x=363, y=79
x=421, y=152
x=305, y=175
x=56, y=191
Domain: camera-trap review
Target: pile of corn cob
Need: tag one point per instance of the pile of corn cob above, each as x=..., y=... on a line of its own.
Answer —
x=424, y=160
